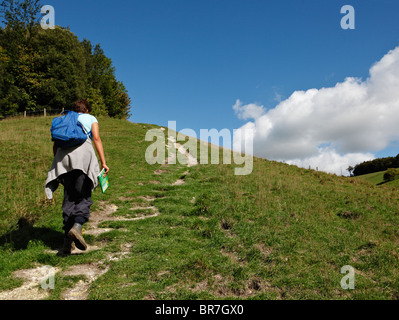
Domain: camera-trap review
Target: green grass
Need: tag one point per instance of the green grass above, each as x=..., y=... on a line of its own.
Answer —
x=374, y=178
x=280, y=233
x=377, y=178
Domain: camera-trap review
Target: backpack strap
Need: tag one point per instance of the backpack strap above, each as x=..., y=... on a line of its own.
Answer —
x=85, y=131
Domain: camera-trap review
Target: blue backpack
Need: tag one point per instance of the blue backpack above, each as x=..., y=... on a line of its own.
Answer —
x=66, y=131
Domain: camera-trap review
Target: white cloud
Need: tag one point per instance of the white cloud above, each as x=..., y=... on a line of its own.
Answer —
x=330, y=161
x=330, y=128
x=248, y=111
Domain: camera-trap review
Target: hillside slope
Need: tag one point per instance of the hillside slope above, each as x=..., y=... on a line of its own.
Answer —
x=200, y=232
x=378, y=179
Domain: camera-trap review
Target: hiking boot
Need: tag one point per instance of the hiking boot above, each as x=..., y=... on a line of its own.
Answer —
x=68, y=246
x=75, y=234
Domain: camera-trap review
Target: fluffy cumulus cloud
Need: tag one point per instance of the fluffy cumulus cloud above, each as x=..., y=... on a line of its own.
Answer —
x=329, y=128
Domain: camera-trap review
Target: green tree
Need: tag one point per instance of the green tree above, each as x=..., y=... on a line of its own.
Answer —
x=52, y=68
x=116, y=99
x=21, y=21
x=97, y=102
x=20, y=14
x=61, y=61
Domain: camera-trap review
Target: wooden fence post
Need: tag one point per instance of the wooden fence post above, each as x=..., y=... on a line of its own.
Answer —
x=45, y=112
x=25, y=114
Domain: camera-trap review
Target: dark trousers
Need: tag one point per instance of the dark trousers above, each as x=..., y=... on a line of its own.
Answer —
x=77, y=198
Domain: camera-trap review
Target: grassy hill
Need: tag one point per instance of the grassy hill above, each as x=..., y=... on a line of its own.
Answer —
x=280, y=233
x=378, y=179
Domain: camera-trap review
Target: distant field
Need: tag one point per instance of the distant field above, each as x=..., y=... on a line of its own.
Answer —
x=378, y=178
x=196, y=233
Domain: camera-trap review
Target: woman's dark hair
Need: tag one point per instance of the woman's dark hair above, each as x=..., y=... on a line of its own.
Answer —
x=81, y=106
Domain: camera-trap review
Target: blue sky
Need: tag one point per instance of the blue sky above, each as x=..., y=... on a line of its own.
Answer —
x=190, y=60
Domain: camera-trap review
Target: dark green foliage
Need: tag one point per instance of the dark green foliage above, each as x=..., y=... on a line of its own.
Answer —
x=391, y=174
x=18, y=14
x=103, y=79
x=376, y=165
x=51, y=68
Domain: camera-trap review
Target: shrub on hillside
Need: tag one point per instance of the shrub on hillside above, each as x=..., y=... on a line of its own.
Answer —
x=391, y=174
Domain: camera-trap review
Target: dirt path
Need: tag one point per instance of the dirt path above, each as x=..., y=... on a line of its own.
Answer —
x=37, y=278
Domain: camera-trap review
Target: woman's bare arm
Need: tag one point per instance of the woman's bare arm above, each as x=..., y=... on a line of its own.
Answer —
x=95, y=132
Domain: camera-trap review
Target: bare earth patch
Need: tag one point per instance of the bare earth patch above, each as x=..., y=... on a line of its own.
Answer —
x=159, y=172
x=81, y=290
x=220, y=286
x=91, y=271
x=147, y=198
x=266, y=251
x=233, y=257
x=106, y=214
x=154, y=182
x=31, y=289
x=178, y=182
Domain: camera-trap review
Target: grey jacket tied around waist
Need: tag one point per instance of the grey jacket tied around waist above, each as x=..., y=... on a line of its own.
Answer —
x=81, y=158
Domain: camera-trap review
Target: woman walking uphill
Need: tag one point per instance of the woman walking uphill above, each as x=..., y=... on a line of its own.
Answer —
x=77, y=170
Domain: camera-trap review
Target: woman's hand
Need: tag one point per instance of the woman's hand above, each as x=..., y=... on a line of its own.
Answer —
x=104, y=166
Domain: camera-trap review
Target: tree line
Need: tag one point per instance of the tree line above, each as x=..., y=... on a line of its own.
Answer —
x=381, y=164
x=51, y=68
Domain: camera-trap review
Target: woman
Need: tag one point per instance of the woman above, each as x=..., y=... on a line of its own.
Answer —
x=77, y=170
